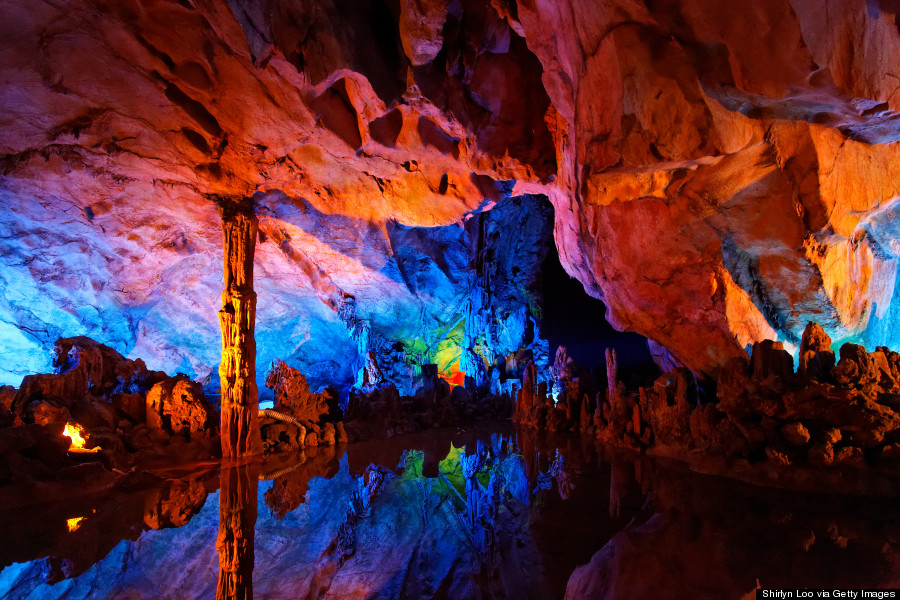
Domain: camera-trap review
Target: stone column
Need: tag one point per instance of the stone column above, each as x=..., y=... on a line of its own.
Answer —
x=237, y=523
x=612, y=378
x=240, y=397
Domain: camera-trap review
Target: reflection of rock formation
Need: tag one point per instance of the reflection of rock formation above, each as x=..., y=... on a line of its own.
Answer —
x=125, y=512
x=707, y=537
x=174, y=505
x=237, y=522
x=387, y=531
x=292, y=473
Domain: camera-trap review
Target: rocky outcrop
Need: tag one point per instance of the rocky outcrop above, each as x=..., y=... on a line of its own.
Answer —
x=178, y=406
x=100, y=415
x=310, y=418
x=85, y=369
x=777, y=424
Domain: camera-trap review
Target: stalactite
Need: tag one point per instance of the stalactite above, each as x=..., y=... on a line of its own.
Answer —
x=240, y=397
x=237, y=520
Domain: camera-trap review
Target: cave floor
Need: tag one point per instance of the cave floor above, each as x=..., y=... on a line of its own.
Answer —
x=484, y=512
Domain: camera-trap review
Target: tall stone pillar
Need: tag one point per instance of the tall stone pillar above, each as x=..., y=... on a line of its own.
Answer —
x=612, y=378
x=240, y=397
x=237, y=523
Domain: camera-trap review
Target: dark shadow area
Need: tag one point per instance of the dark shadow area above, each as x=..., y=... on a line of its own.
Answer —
x=573, y=319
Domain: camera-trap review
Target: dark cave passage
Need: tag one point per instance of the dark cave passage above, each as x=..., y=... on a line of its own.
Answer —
x=572, y=318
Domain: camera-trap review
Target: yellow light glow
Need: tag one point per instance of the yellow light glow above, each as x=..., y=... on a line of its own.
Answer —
x=75, y=432
x=74, y=523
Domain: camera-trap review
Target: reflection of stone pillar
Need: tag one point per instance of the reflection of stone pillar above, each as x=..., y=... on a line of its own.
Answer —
x=619, y=482
x=237, y=520
x=240, y=398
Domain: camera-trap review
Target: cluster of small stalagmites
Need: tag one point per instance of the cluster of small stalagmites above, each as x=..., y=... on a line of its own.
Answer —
x=829, y=413
x=574, y=405
x=120, y=407
x=382, y=412
x=309, y=419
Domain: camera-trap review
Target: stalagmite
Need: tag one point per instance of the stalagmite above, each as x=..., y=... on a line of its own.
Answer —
x=612, y=377
x=240, y=397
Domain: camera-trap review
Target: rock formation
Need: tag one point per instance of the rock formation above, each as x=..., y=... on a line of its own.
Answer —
x=122, y=414
x=178, y=405
x=770, y=423
x=309, y=418
x=714, y=190
x=240, y=398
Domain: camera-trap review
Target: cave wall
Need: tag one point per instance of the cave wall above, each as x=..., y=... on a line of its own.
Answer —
x=123, y=119
x=726, y=172
x=720, y=173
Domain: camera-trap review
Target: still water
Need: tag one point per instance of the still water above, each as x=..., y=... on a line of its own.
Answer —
x=455, y=514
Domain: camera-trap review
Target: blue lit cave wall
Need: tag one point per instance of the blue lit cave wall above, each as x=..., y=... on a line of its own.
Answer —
x=874, y=255
x=146, y=278
x=482, y=296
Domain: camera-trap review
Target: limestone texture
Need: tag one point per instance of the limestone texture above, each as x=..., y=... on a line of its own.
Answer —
x=720, y=173
x=237, y=371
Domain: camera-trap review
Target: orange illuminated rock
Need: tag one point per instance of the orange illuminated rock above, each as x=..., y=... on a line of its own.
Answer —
x=721, y=173
x=711, y=201
x=293, y=396
x=178, y=405
x=240, y=397
x=816, y=356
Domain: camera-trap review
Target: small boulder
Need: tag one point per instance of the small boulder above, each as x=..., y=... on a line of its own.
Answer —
x=796, y=433
x=44, y=412
x=178, y=405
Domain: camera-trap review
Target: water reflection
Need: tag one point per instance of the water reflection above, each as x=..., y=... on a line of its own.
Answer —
x=454, y=514
x=237, y=526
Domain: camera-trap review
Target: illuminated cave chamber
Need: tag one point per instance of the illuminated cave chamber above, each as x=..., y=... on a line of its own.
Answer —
x=643, y=225
x=506, y=301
